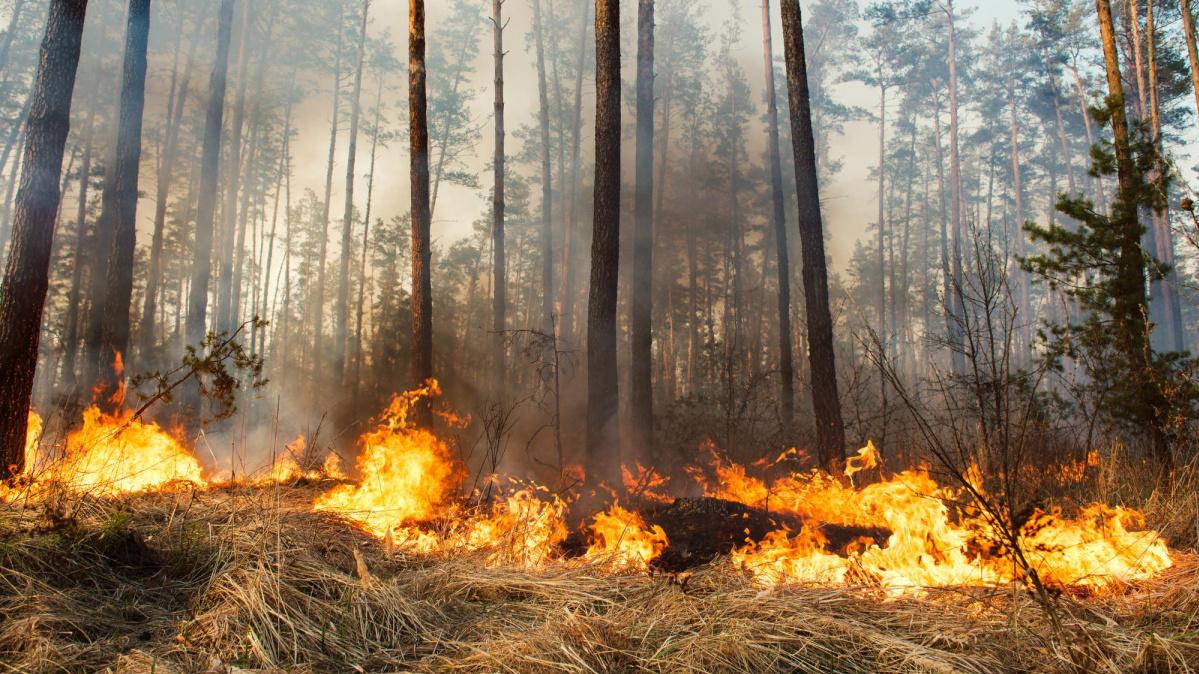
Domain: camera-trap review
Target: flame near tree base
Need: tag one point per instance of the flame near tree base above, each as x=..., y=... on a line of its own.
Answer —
x=409, y=481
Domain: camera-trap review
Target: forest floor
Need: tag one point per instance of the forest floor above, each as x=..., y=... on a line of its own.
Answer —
x=241, y=579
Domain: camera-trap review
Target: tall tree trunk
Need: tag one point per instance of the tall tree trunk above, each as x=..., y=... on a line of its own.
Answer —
x=1167, y=287
x=1129, y=306
x=260, y=334
x=547, y=186
x=176, y=104
x=881, y=299
x=567, y=308
x=318, y=309
x=119, y=199
x=955, y=208
x=1100, y=197
x=603, y=437
x=641, y=394
x=830, y=432
x=418, y=125
x=779, y=218
x=1188, y=29
x=499, y=268
x=342, y=310
x=26, y=276
x=197, y=301
x=1023, y=291
x=356, y=379
x=227, y=232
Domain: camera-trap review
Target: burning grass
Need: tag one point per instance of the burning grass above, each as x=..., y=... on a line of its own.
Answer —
x=120, y=554
x=190, y=580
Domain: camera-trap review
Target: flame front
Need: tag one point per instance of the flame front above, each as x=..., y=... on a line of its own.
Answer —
x=622, y=537
x=930, y=545
x=111, y=454
x=406, y=473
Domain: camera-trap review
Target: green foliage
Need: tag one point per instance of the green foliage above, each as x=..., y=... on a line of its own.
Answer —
x=222, y=366
x=1097, y=261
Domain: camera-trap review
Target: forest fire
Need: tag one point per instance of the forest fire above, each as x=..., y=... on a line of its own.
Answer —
x=109, y=455
x=932, y=542
x=408, y=495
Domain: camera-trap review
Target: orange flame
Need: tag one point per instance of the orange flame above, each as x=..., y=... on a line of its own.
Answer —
x=930, y=544
x=111, y=455
x=622, y=538
x=407, y=473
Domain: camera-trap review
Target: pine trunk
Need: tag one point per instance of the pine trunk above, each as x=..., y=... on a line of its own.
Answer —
x=341, y=312
x=26, y=275
x=779, y=220
x=830, y=433
x=603, y=441
x=422, y=290
x=499, y=269
x=201, y=276
x=641, y=396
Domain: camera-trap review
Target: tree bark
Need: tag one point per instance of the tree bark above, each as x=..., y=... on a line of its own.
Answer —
x=830, y=432
x=821, y=354
x=119, y=206
x=342, y=309
x=499, y=268
x=779, y=219
x=1129, y=305
x=422, y=291
x=603, y=442
x=641, y=394
x=1188, y=29
x=955, y=208
x=197, y=301
x=26, y=276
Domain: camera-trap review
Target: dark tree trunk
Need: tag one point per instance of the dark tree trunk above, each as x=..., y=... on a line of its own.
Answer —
x=547, y=186
x=641, y=395
x=119, y=205
x=26, y=276
x=779, y=219
x=341, y=312
x=201, y=275
x=422, y=288
x=830, y=433
x=499, y=269
x=603, y=442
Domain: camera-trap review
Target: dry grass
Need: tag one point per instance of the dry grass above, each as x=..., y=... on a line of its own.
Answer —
x=252, y=579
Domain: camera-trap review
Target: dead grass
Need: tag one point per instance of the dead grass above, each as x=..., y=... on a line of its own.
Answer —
x=252, y=579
